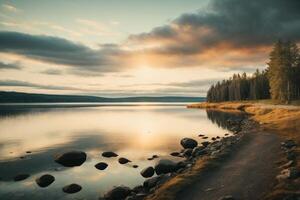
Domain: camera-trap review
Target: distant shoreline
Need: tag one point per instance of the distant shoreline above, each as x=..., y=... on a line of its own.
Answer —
x=19, y=97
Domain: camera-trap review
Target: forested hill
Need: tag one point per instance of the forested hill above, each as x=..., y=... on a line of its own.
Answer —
x=18, y=97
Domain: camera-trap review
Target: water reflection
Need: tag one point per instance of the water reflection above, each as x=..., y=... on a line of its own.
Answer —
x=134, y=132
x=222, y=118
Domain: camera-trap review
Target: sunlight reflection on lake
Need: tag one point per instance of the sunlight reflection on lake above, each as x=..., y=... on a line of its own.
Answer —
x=134, y=132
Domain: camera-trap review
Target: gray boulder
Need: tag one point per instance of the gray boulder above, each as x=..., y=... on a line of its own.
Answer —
x=165, y=166
x=71, y=158
x=45, y=180
x=188, y=143
x=117, y=193
x=147, y=172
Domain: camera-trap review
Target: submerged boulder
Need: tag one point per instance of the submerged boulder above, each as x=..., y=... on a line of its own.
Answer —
x=72, y=188
x=71, y=158
x=165, y=166
x=101, y=165
x=188, y=143
x=45, y=180
x=117, y=193
x=147, y=172
x=109, y=154
x=21, y=177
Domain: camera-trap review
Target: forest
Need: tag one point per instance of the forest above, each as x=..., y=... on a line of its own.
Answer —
x=280, y=81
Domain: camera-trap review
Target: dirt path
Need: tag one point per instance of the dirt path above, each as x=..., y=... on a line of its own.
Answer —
x=246, y=175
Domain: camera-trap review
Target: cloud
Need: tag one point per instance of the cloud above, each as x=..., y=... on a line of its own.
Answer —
x=10, y=8
x=61, y=51
x=231, y=31
x=15, y=65
x=16, y=83
x=228, y=34
x=52, y=72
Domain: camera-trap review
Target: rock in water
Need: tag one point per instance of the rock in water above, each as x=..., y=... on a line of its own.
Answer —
x=109, y=154
x=117, y=193
x=21, y=177
x=101, y=165
x=123, y=160
x=71, y=158
x=135, y=166
x=188, y=143
x=45, y=180
x=72, y=188
x=165, y=166
x=147, y=172
x=175, y=154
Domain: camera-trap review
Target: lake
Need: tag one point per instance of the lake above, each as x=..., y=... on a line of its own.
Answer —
x=135, y=131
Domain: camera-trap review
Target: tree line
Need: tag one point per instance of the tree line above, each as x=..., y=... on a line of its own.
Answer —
x=280, y=81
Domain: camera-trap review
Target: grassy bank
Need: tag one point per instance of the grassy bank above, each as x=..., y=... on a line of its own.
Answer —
x=278, y=119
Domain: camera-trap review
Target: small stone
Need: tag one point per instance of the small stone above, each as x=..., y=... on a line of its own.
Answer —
x=45, y=180
x=123, y=160
x=175, y=154
x=72, y=188
x=21, y=177
x=28, y=152
x=109, y=154
x=135, y=166
x=101, y=165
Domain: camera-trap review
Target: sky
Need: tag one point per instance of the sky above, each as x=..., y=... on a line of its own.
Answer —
x=137, y=47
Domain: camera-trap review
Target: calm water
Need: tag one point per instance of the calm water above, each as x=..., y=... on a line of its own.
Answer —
x=134, y=132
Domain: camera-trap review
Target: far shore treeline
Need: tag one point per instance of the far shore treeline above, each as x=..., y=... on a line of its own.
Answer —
x=280, y=81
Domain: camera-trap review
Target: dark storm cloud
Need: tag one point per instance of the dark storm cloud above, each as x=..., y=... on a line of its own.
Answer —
x=9, y=65
x=238, y=23
x=59, y=51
